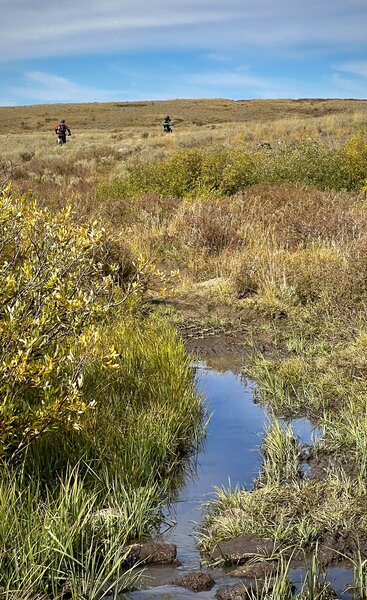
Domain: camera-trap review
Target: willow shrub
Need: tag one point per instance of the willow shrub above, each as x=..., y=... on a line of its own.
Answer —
x=226, y=171
x=188, y=173
x=56, y=283
x=99, y=413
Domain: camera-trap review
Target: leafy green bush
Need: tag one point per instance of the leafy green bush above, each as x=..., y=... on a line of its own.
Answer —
x=354, y=162
x=195, y=172
x=56, y=283
x=308, y=162
x=187, y=173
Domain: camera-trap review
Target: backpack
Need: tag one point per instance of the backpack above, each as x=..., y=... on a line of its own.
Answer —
x=61, y=129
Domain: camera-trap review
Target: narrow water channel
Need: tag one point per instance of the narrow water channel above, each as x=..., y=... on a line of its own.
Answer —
x=229, y=457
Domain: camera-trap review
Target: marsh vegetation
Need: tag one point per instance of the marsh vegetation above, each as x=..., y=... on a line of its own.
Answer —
x=99, y=406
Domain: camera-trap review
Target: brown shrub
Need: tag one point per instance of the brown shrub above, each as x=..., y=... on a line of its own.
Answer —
x=212, y=224
x=334, y=275
x=117, y=261
x=150, y=209
x=316, y=272
x=299, y=215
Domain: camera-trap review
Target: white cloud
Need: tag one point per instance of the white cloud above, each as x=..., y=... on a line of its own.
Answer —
x=36, y=28
x=45, y=88
x=242, y=84
x=230, y=80
x=357, y=67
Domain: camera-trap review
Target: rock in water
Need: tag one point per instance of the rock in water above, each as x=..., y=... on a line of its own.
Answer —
x=258, y=570
x=240, y=591
x=153, y=553
x=195, y=581
x=240, y=549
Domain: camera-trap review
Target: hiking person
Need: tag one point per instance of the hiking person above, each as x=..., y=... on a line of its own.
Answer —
x=167, y=122
x=60, y=130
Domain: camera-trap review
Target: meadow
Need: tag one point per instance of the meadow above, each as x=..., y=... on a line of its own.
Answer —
x=254, y=213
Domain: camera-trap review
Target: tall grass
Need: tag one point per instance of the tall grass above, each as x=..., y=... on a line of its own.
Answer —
x=281, y=455
x=69, y=512
x=295, y=515
x=147, y=415
x=359, y=588
x=54, y=537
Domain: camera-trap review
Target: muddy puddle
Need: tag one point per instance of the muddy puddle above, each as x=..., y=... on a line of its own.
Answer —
x=230, y=456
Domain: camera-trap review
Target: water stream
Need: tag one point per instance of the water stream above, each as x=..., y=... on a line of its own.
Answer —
x=229, y=457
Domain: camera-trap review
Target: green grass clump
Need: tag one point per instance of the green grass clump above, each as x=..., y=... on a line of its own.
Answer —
x=61, y=536
x=150, y=413
x=281, y=455
x=296, y=514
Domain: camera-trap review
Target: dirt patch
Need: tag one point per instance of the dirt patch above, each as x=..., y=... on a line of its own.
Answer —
x=214, y=326
x=324, y=460
x=244, y=590
x=337, y=546
x=206, y=342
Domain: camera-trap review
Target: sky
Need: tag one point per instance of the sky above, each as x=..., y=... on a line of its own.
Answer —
x=55, y=51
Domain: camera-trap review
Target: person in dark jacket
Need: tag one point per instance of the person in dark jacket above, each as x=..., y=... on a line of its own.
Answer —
x=167, y=122
x=61, y=130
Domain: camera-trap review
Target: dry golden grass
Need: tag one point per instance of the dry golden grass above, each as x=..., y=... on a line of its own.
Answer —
x=198, y=123
x=135, y=128
x=107, y=138
x=197, y=113
x=204, y=238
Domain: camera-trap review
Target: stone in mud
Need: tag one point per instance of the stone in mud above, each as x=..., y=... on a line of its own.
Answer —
x=337, y=545
x=195, y=581
x=240, y=549
x=263, y=144
x=258, y=570
x=232, y=592
x=241, y=591
x=328, y=593
x=153, y=553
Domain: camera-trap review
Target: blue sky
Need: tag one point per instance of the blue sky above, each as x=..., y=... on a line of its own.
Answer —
x=104, y=50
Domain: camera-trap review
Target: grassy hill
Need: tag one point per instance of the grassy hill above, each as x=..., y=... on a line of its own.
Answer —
x=117, y=115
